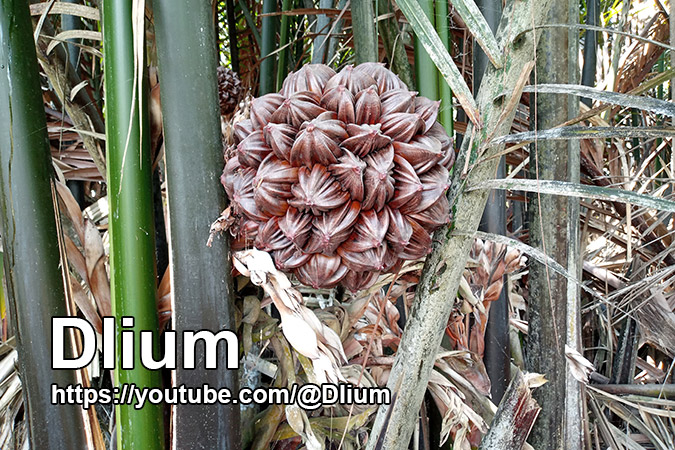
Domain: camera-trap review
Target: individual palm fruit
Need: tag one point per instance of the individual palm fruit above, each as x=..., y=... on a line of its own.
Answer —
x=340, y=176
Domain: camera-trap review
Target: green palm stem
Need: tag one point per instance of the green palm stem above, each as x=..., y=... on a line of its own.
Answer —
x=284, y=50
x=497, y=348
x=201, y=275
x=268, y=46
x=444, y=91
x=394, y=45
x=365, y=37
x=426, y=73
x=132, y=236
x=35, y=289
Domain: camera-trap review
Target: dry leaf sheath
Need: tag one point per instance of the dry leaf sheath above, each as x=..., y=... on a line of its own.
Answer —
x=300, y=326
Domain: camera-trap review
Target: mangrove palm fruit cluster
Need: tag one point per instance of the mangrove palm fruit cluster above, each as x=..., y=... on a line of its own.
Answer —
x=230, y=90
x=340, y=176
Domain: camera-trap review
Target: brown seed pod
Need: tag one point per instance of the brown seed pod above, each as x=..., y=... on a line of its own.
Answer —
x=298, y=108
x=262, y=109
x=242, y=129
x=423, y=152
x=230, y=90
x=408, y=185
x=341, y=100
x=355, y=281
x=437, y=131
x=272, y=185
x=297, y=226
x=318, y=142
x=349, y=172
x=270, y=237
x=368, y=106
x=399, y=231
x=321, y=271
x=420, y=242
x=342, y=177
x=369, y=231
x=280, y=137
x=333, y=228
x=244, y=234
x=317, y=191
x=427, y=110
x=379, y=184
x=370, y=259
x=364, y=139
x=312, y=78
x=243, y=196
x=398, y=100
x=290, y=258
x=386, y=80
x=252, y=150
x=354, y=81
x=435, y=184
x=401, y=127
x=435, y=216
x=231, y=173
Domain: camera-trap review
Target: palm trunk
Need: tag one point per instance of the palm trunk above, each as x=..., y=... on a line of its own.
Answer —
x=393, y=44
x=285, y=31
x=202, y=299
x=497, y=349
x=32, y=261
x=549, y=216
x=132, y=236
x=426, y=74
x=268, y=45
x=590, y=47
x=575, y=411
x=445, y=114
x=365, y=37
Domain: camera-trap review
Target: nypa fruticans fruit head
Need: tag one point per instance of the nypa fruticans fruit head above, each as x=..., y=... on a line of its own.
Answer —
x=341, y=177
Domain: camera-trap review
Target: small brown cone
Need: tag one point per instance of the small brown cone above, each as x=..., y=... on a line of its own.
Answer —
x=230, y=90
